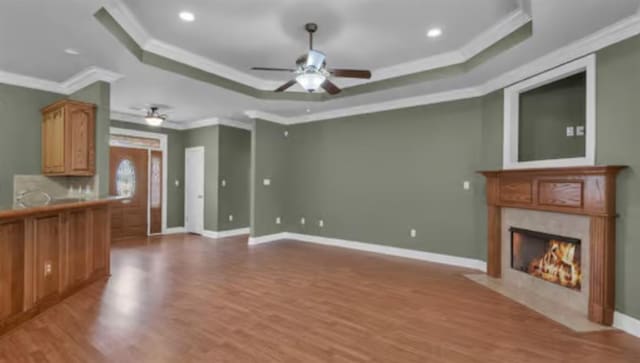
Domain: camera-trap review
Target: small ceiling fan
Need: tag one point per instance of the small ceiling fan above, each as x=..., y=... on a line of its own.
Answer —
x=154, y=118
x=311, y=70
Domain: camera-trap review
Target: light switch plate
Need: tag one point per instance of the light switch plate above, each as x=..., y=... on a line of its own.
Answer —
x=413, y=233
x=230, y=217
x=286, y=133
x=303, y=221
x=266, y=182
x=579, y=130
x=321, y=223
x=177, y=182
x=223, y=183
x=466, y=185
x=570, y=131
x=278, y=220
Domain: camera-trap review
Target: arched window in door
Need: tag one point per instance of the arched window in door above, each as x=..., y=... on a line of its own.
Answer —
x=126, y=178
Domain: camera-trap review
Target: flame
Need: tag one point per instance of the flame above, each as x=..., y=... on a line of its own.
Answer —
x=558, y=265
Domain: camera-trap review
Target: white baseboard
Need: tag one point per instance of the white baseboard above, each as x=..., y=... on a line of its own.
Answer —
x=175, y=230
x=268, y=238
x=626, y=323
x=225, y=234
x=392, y=251
x=375, y=248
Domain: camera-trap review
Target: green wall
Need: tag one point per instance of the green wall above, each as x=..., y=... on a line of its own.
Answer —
x=234, y=168
x=99, y=93
x=618, y=129
x=545, y=113
x=20, y=144
x=175, y=169
x=209, y=138
x=374, y=177
x=268, y=161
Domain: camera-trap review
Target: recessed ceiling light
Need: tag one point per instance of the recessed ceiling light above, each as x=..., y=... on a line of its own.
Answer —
x=434, y=32
x=187, y=16
x=71, y=51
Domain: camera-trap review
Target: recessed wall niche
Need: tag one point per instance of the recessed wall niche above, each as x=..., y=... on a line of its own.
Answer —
x=552, y=120
x=549, y=119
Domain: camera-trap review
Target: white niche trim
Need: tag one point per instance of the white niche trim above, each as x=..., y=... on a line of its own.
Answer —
x=512, y=115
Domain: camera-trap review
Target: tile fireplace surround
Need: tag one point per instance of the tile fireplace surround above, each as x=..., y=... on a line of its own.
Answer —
x=576, y=202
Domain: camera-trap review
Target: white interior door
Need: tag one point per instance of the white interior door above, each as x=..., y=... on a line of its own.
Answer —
x=194, y=190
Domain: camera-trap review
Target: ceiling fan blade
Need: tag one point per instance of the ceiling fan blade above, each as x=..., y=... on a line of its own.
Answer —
x=285, y=86
x=330, y=87
x=351, y=73
x=272, y=69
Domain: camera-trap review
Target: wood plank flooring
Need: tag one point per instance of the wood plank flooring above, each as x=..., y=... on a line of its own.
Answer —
x=185, y=298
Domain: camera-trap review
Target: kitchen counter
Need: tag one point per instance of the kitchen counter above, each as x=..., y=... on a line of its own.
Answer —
x=20, y=211
x=51, y=251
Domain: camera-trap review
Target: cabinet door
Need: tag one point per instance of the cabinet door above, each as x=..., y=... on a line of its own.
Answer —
x=11, y=269
x=77, y=249
x=81, y=137
x=47, y=245
x=53, y=142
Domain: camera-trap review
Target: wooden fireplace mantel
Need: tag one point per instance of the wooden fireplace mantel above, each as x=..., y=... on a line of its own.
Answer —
x=589, y=191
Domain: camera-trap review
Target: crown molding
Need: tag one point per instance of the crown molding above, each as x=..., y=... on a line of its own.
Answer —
x=603, y=38
x=20, y=80
x=213, y=121
x=132, y=26
x=512, y=22
x=87, y=77
x=71, y=85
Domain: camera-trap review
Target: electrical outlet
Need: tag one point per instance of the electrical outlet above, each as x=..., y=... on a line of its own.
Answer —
x=230, y=217
x=223, y=183
x=570, y=131
x=321, y=223
x=278, y=220
x=579, y=130
x=413, y=233
x=466, y=185
x=48, y=268
x=266, y=182
x=303, y=221
x=177, y=182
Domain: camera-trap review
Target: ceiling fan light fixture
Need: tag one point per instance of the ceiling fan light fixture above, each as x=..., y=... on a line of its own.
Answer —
x=153, y=118
x=311, y=81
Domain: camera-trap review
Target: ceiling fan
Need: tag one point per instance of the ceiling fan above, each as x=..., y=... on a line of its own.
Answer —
x=154, y=118
x=311, y=70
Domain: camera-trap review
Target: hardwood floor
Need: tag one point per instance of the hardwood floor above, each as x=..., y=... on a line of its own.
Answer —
x=189, y=299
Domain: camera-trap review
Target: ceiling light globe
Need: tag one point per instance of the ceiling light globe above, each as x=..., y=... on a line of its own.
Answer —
x=434, y=32
x=311, y=81
x=154, y=120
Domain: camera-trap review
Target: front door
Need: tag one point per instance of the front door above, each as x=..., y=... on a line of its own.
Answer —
x=128, y=176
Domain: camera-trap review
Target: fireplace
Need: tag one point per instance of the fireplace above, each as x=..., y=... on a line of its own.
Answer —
x=549, y=257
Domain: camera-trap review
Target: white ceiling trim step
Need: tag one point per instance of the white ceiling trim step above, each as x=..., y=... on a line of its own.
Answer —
x=213, y=121
x=128, y=21
x=612, y=34
x=71, y=85
x=512, y=22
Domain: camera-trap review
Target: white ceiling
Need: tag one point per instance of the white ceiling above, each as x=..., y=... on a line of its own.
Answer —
x=368, y=34
x=239, y=34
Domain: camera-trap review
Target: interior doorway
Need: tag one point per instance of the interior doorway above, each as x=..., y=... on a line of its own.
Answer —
x=194, y=190
x=138, y=169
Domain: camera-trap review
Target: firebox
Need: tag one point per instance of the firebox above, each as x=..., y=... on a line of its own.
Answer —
x=552, y=258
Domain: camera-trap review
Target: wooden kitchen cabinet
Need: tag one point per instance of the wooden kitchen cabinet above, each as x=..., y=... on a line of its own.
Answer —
x=48, y=253
x=68, y=139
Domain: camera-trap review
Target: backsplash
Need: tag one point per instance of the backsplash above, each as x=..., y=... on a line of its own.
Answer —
x=56, y=187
